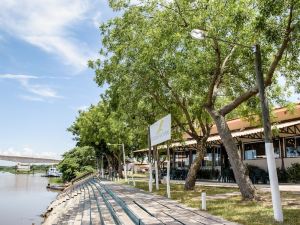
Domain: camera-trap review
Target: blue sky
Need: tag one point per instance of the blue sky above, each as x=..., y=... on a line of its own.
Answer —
x=44, y=80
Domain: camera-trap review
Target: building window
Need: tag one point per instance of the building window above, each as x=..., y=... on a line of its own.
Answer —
x=212, y=157
x=255, y=150
x=208, y=158
x=250, y=154
x=218, y=156
x=276, y=145
x=292, y=147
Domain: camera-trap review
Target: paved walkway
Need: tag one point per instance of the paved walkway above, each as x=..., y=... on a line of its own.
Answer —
x=92, y=201
x=166, y=211
x=263, y=187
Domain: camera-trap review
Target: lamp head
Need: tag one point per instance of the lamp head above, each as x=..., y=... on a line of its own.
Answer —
x=198, y=34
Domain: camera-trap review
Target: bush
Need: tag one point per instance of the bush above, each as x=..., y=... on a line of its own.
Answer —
x=208, y=174
x=293, y=173
x=77, y=161
x=257, y=175
x=282, y=175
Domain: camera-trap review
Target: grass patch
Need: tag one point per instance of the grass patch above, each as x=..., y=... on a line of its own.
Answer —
x=233, y=208
x=55, y=180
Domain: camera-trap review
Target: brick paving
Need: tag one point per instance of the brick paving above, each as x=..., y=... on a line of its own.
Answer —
x=92, y=201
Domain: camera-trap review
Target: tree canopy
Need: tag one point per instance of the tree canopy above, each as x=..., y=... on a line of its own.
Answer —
x=148, y=56
x=76, y=162
x=153, y=67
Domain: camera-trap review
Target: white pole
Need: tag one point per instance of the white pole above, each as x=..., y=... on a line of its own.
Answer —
x=278, y=215
x=149, y=160
x=156, y=175
x=102, y=170
x=168, y=172
x=156, y=169
x=133, y=181
x=150, y=176
x=125, y=169
x=203, y=200
x=168, y=180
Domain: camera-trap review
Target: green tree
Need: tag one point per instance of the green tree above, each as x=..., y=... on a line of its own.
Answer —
x=148, y=54
x=156, y=74
x=102, y=124
x=77, y=161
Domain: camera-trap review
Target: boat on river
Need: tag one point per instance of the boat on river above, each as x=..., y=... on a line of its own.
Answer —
x=53, y=172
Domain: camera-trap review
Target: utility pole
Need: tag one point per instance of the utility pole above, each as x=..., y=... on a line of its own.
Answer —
x=269, y=148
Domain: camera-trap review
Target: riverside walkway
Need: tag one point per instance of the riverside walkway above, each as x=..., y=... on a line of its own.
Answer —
x=94, y=201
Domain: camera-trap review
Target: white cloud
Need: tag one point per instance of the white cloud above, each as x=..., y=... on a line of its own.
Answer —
x=48, y=24
x=18, y=77
x=97, y=20
x=40, y=91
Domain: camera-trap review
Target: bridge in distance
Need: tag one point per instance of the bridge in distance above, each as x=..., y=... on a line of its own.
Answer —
x=28, y=160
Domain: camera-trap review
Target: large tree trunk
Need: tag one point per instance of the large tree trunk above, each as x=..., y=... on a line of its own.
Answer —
x=192, y=174
x=239, y=169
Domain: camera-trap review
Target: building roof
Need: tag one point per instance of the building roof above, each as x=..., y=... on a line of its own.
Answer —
x=282, y=118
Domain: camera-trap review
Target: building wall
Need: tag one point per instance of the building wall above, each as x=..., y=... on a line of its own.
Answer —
x=262, y=163
x=22, y=167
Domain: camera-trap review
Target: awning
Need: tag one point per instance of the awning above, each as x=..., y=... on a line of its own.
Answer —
x=255, y=130
x=234, y=134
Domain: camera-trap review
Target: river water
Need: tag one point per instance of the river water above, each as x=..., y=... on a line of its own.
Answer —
x=23, y=198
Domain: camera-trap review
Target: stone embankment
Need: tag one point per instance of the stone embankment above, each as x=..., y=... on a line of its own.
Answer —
x=94, y=201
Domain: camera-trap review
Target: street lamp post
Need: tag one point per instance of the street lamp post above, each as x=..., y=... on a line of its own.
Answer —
x=269, y=148
x=124, y=160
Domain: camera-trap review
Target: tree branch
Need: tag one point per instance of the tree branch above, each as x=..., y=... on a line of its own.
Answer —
x=216, y=76
x=180, y=13
x=280, y=52
x=268, y=81
x=180, y=124
x=180, y=103
x=227, y=59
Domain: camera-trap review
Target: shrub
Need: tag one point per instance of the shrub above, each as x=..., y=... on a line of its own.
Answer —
x=208, y=174
x=257, y=175
x=77, y=161
x=282, y=175
x=293, y=173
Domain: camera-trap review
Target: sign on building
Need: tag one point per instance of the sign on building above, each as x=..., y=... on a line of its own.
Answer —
x=160, y=131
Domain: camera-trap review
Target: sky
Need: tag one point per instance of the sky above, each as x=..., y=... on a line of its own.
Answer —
x=44, y=78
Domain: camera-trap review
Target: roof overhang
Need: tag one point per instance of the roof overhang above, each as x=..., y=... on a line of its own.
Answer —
x=234, y=134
